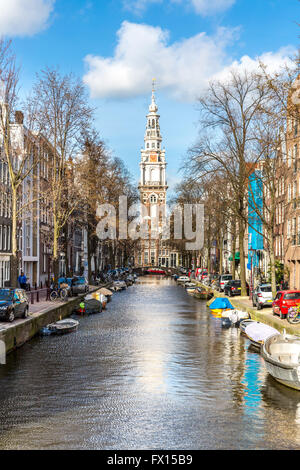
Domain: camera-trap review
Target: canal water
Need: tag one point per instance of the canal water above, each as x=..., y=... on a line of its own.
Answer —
x=153, y=371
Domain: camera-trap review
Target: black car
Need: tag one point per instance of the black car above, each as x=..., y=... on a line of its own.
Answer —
x=234, y=288
x=13, y=304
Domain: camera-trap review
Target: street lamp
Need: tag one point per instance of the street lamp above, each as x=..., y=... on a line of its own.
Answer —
x=252, y=250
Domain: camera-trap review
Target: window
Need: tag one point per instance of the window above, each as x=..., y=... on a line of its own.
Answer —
x=289, y=162
x=153, y=199
x=289, y=229
x=292, y=296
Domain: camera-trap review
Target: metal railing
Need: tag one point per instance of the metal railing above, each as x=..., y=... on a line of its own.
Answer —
x=38, y=295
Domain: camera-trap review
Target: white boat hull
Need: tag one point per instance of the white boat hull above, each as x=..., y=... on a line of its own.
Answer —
x=288, y=377
x=281, y=355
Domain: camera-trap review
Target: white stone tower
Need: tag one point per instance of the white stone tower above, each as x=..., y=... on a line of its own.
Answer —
x=153, y=185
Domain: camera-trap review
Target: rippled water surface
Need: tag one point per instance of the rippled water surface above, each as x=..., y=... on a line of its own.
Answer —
x=154, y=371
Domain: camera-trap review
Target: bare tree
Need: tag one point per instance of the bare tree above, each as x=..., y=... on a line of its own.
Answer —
x=229, y=111
x=60, y=112
x=20, y=149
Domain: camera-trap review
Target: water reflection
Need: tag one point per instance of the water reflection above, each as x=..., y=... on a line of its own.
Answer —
x=155, y=370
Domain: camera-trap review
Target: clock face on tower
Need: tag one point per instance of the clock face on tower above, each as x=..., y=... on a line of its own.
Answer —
x=153, y=158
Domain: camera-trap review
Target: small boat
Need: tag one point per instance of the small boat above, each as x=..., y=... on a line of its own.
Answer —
x=89, y=306
x=233, y=317
x=244, y=323
x=61, y=327
x=258, y=333
x=190, y=284
x=155, y=271
x=281, y=354
x=219, y=305
x=203, y=294
x=120, y=285
x=108, y=293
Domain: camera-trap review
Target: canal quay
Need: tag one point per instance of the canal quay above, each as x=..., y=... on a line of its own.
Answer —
x=155, y=370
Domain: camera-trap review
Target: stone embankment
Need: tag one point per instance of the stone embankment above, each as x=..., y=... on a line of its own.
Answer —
x=265, y=315
x=20, y=331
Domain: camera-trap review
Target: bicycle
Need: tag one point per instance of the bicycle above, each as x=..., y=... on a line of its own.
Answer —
x=293, y=315
x=61, y=294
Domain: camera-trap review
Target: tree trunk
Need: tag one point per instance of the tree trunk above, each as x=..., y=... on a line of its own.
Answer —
x=272, y=264
x=89, y=260
x=55, y=248
x=233, y=248
x=242, y=258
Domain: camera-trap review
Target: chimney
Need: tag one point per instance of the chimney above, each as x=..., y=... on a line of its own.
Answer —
x=19, y=117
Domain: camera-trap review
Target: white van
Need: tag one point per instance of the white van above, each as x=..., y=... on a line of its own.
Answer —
x=223, y=279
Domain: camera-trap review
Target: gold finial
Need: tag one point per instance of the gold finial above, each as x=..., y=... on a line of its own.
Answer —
x=153, y=84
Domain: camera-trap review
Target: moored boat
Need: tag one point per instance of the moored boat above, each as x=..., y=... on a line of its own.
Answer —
x=219, y=305
x=89, y=306
x=281, y=354
x=244, y=323
x=108, y=293
x=258, y=333
x=233, y=317
x=203, y=294
x=155, y=271
x=61, y=327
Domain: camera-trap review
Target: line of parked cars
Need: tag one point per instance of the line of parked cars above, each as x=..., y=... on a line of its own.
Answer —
x=13, y=304
x=261, y=296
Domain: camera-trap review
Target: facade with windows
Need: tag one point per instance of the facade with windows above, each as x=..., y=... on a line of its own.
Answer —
x=5, y=223
x=292, y=203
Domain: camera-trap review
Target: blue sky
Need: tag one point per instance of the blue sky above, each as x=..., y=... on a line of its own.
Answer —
x=118, y=46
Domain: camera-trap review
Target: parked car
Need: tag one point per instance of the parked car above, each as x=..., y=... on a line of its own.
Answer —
x=79, y=285
x=284, y=300
x=223, y=279
x=262, y=296
x=232, y=288
x=13, y=304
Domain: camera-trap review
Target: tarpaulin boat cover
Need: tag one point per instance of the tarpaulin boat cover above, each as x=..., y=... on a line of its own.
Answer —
x=220, y=302
x=260, y=332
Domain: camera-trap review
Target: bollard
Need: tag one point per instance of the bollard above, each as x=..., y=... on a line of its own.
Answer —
x=2, y=352
x=31, y=297
x=37, y=296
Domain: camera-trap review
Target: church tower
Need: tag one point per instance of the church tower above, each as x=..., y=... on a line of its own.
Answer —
x=153, y=185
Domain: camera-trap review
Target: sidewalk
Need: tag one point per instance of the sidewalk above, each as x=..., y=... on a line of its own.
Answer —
x=265, y=315
x=38, y=308
x=21, y=330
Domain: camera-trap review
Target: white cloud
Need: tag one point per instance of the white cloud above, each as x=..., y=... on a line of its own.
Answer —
x=138, y=6
x=183, y=68
x=143, y=53
x=24, y=17
x=274, y=61
x=201, y=7
x=210, y=7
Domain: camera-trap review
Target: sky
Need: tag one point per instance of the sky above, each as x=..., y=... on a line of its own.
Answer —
x=118, y=46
